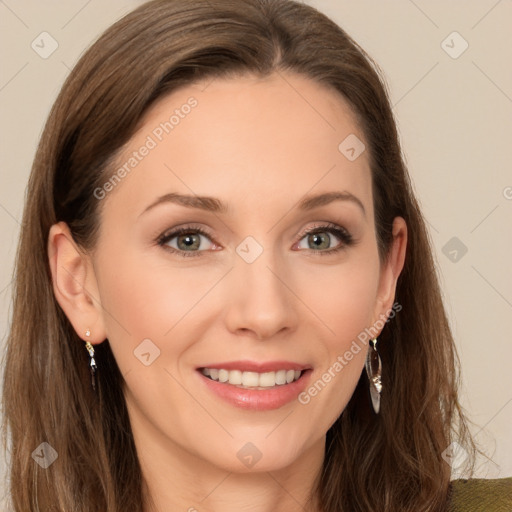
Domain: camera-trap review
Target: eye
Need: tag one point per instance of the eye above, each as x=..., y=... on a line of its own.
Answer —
x=192, y=241
x=320, y=239
x=186, y=241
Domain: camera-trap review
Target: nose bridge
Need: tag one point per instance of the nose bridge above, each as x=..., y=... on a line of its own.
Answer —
x=260, y=301
x=257, y=268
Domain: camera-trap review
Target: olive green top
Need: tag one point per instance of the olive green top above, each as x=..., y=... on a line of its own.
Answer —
x=481, y=495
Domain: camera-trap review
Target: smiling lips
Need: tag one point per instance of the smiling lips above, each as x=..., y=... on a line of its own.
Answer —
x=257, y=386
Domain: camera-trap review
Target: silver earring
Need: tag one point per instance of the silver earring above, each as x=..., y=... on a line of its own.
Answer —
x=92, y=362
x=374, y=371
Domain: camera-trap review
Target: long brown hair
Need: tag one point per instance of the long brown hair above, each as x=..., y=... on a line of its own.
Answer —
x=387, y=463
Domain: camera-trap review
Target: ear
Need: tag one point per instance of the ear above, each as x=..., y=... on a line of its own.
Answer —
x=391, y=270
x=74, y=284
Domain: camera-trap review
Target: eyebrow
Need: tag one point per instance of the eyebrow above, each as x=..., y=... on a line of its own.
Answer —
x=310, y=202
x=212, y=204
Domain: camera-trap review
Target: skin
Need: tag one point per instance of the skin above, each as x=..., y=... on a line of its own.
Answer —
x=259, y=146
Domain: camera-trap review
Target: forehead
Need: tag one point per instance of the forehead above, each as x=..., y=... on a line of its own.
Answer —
x=243, y=138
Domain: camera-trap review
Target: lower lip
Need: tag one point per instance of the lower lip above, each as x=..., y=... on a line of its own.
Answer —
x=255, y=399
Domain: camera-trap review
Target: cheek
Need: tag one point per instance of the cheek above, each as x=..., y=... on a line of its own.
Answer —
x=343, y=297
x=143, y=300
x=344, y=301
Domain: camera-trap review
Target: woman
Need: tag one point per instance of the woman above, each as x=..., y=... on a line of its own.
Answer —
x=225, y=296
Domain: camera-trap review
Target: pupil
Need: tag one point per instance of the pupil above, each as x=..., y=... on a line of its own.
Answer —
x=320, y=240
x=189, y=241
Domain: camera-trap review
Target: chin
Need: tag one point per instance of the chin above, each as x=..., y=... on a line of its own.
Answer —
x=254, y=454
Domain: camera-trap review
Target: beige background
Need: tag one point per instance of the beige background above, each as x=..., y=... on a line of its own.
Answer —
x=455, y=120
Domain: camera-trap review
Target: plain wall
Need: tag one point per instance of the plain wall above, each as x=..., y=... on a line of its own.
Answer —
x=454, y=114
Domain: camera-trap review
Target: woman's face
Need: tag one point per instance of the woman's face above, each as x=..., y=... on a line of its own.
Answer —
x=244, y=286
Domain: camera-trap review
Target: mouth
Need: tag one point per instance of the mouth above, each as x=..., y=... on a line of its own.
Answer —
x=253, y=380
x=255, y=385
x=256, y=391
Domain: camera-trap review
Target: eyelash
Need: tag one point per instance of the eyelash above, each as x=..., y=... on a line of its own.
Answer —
x=341, y=233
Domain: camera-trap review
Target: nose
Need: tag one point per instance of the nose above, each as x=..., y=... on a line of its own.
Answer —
x=260, y=298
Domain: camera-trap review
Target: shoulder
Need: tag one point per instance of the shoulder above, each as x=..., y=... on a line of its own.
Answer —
x=481, y=495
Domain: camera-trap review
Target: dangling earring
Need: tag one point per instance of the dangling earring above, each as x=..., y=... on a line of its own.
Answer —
x=374, y=371
x=92, y=363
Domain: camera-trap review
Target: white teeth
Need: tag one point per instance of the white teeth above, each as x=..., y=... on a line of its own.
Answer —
x=281, y=377
x=252, y=379
x=235, y=377
x=267, y=379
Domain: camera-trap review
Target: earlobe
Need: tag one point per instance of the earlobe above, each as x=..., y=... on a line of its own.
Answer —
x=74, y=284
x=392, y=268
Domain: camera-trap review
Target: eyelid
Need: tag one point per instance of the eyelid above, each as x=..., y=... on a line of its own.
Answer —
x=326, y=226
x=177, y=230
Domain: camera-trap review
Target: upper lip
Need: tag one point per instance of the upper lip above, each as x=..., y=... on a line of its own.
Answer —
x=259, y=367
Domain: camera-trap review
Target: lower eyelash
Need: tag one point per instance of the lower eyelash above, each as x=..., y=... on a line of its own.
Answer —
x=340, y=233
